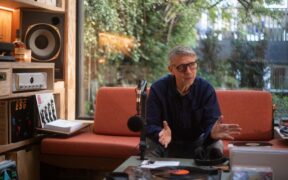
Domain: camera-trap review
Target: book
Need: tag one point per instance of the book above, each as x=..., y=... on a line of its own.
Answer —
x=48, y=120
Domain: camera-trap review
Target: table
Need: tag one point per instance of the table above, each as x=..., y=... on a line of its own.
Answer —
x=135, y=161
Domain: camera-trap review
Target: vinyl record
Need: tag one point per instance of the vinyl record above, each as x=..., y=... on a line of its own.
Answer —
x=44, y=40
x=183, y=172
x=251, y=144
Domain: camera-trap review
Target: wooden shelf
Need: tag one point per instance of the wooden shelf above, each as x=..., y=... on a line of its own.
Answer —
x=8, y=147
x=15, y=67
x=16, y=4
x=28, y=160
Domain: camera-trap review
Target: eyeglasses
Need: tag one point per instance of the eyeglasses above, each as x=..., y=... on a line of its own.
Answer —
x=183, y=67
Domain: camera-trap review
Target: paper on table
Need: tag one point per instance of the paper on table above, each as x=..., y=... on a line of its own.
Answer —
x=156, y=164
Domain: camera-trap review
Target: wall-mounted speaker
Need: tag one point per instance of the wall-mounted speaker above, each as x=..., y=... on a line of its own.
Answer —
x=43, y=33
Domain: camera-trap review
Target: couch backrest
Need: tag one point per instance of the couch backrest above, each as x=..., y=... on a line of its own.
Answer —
x=114, y=106
x=251, y=109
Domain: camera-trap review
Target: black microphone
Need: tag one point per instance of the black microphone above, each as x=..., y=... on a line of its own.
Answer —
x=135, y=123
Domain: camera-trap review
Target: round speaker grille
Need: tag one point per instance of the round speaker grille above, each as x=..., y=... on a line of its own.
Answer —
x=44, y=40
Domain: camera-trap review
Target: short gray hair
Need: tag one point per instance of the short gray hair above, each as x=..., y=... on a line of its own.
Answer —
x=181, y=51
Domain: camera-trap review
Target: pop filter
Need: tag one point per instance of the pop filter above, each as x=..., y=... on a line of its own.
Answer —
x=135, y=123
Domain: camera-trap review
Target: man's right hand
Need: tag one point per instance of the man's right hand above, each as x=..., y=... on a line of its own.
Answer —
x=165, y=135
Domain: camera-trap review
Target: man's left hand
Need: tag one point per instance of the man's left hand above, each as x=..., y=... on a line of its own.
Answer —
x=224, y=131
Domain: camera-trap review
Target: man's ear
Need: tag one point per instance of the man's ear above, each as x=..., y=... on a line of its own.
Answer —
x=170, y=68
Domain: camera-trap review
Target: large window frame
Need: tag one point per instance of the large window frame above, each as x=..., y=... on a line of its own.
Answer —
x=80, y=56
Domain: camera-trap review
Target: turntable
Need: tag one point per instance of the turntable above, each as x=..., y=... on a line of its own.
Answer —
x=173, y=173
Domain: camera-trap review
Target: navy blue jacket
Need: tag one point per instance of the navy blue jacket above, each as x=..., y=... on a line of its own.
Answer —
x=188, y=117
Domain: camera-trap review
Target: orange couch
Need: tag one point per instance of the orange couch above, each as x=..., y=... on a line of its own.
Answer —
x=253, y=111
x=110, y=142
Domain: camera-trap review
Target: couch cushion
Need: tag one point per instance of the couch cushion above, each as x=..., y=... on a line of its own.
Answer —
x=90, y=144
x=252, y=110
x=114, y=106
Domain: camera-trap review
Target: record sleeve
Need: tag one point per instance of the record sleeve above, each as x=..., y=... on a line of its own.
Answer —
x=47, y=117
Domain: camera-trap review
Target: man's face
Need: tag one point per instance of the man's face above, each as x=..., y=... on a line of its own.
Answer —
x=184, y=68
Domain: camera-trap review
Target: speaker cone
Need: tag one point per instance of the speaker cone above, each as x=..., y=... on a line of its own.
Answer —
x=44, y=40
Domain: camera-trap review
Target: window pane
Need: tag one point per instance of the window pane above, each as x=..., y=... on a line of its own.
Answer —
x=126, y=41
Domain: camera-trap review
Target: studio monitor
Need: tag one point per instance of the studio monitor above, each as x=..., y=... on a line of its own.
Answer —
x=43, y=33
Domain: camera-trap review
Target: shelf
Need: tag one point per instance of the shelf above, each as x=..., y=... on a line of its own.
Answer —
x=12, y=146
x=8, y=68
x=16, y=4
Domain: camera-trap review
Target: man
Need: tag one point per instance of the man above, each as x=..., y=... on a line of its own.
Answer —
x=183, y=115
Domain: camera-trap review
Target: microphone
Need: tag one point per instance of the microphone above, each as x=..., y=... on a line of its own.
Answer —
x=135, y=123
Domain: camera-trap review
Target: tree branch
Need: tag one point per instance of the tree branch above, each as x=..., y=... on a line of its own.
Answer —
x=215, y=4
x=170, y=29
x=247, y=5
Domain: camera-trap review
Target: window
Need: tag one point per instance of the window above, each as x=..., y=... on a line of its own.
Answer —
x=121, y=42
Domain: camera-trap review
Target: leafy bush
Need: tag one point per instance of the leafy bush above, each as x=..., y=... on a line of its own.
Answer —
x=281, y=102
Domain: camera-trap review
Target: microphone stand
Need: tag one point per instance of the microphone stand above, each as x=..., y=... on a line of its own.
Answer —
x=141, y=111
x=143, y=130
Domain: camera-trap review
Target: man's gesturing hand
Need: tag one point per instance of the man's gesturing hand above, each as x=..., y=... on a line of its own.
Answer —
x=165, y=135
x=224, y=131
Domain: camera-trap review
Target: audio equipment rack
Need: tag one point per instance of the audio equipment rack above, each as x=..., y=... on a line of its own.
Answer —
x=13, y=143
x=26, y=153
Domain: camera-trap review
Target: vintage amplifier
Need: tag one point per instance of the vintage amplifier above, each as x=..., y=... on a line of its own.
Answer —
x=29, y=81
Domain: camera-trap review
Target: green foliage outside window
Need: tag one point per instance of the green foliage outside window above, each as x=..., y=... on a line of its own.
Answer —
x=158, y=25
x=281, y=103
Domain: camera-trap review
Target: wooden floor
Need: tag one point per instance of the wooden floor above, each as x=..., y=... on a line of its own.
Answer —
x=48, y=172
